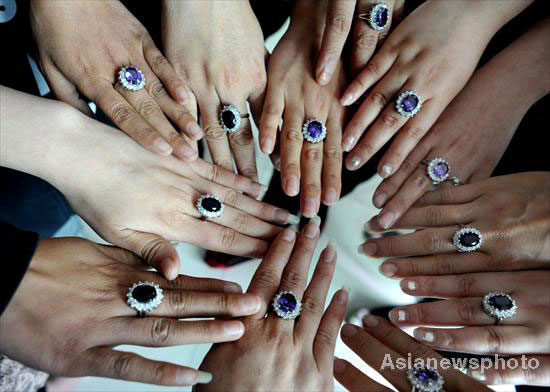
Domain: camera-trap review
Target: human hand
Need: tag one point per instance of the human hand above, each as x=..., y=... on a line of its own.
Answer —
x=278, y=354
x=223, y=66
x=512, y=213
x=311, y=169
x=381, y=346
x=82, y=46
x=70, y=311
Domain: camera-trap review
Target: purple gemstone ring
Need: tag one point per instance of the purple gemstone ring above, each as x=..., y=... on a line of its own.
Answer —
x=378, y=16
x=499, y=305
x=287, y=305
x=144, y=297
x=131, y=78
x=314, y=131
x=424, y=379
x=230, y=118
x=408, y=103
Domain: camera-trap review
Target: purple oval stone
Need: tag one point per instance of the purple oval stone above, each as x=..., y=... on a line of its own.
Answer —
x=425, y=375
x=381, y=17
x=409, y=103
x=441, y=169
x=501, y=302
x=315, y=129
x=144, y=293
x=132, y=75
x=287, y=302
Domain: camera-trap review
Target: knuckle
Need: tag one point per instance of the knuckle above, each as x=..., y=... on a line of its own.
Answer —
x=366, y=41
x=224, y=163
x=414, y=133
x=249, y=171
x=420, y=314
x=493, y=340
x=464, y=285
x=444, y=265
x=339, y=23
x=122, y=365
x=214, y=173
x=379, y=98
x=267, y=278
x=431, y=242
x=121, y=113
x=163, y=373
x=148, y=108
x=157, y=90
x=433, y=215
x=391, y=120
x=222, y=302
x=325, y=338
x=312, y=305
x=447, y=195
x=333, y=153
x=214, y=132
x=365, y=147
x=407, y=166
x=181, y=116
x=242, y=138
x=158, y=61
x=160, y=331
x=418, y=350
x=228, y=238
x=465, y=311
x=372, y=68
x=242, y=222
x=230, y=198
x=293, y=135
x=291, y=279
x=421, y=182
x=272, y=109
x=313, y=155
x=178, y=301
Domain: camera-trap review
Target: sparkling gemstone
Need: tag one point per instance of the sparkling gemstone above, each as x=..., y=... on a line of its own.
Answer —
x=425, y=375
x=210, y=204
x=409, y=103
x=229, y=119
x=441, y=169
x=133, y=76
x=469, y=239
x=501, y=302
x=381, y=17
x=144, y=293
x=287, y=302
x=315, y=129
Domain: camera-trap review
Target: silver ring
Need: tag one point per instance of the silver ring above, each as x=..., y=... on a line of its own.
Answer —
x=314, y=131
x=377, y=17
x=230, y=118
x=144, y=297
x=467, y=239
x=210, y=206
x=439, y=170
x=425, y=379
x=287, y=305
x=408, y=103
x=131, y=78
x=499, y=305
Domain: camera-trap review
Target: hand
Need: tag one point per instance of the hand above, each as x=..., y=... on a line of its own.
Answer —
x=527, y=332
x=512, y=213
x=81, y=47
x=222, y=65
x=70, y=311
x=433, y=52
x=381, y=345
x=278, y=354
x=340, y=19
x=311, y=169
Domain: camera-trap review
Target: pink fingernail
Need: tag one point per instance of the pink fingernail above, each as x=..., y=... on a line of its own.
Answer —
x=268, y=146
x=380, y=199
x=162, y=146
x=347, y=99
x=292, y=185
x=195, y=130
x=388, y=270
x=310, y=208
x=349, y=330
x=349, y=142
x=182, y=95
x=386, y=219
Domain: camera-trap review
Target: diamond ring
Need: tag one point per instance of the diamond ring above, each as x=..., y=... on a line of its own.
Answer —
x=439, y=170
x=314, y=131
x=230, y=118
x=144, y=297
x=378, y=16
x=210, y=206
x=408, y=103
x=467, y=239
x=424, y=379
x=499, y=305
x=287, y=305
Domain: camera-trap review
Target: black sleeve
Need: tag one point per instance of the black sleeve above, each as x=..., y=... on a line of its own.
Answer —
x=17, y=248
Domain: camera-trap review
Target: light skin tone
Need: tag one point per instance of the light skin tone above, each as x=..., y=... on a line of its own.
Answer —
x=74, y=293
x=132, y=198
x=520, y=72
x=511, y=212
x=433, y=51
x=377, y=339
x=81, y=47
x=312, y=170
x=277, y=354
x=221, y=67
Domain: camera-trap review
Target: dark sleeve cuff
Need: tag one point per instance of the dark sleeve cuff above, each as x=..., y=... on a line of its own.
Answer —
x=17, y=247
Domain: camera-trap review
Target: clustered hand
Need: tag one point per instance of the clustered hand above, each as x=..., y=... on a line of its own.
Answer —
x=348, y=79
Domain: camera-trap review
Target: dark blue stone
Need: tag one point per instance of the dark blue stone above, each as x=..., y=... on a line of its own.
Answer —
x=287, y=303
x=469, y=240
x=381, y=17
x=229, y=119
x=425, y=375
x=441, y=169
x=501, y=302
x=133, y=76
x=210, y=204
x=144, y=293
x=409, y=103
x=315, y=129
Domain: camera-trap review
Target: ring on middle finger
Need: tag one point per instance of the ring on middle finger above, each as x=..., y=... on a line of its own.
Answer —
x=425, y=379
x=230, y=118
x=210, y=206
x=131, y=78
x=287, y=305
x=408, y=103
x=377, y=17
x=467, y=239
x=314, y=131
x=499, y=305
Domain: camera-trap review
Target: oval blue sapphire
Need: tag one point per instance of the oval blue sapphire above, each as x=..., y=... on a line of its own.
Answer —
x=315, y=129
x=441, y=169
x=287, y=302
x=210, y=204
x=381, y=17
x=133, y=75
x=501, y=302
x=229, y=119
x=469, y=240
x=144, y=293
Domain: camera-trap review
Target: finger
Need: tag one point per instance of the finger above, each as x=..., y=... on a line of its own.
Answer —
x=271, y=117
x=532, y=370
x=121, y=365
x=437, y=216
x=332, y=160
x=215, y=135
x=337, y=27
x=64, y=89
x=505, y=340
x=311, y=163
x=365, y=38
x=184, y=282
x=291, y=148
x=325, y=339
x=353, y=379
x=313, y=303
x=242, y=145
x=247, y=224
x=453, y=195
x=127, y=119
x=267, y=277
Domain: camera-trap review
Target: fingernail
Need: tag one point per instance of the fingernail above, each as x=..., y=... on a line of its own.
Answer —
x=386, y=170
x=312, y=227
x=292, y=185
x=289, y=235
x=268, y=146
x=329, y=253
x=347, y=99
x=187, y=151
x=425, y=336
x=349, y=330
x=339, y=365
x=401, y=315
x=310, y=208
x=355, y=162
x=386, y=219
x=324, y=77
x=162, y=146
x=370, y=321
x=380, y=199
x=233, y=328
x=388, y=270
x=281, y=215
x=478, y=375
x=232, y=288
x=203, y=377
x=195, y=130
x=411, y=285
x=369, y=248
x=182, y=95
x=277, y=164
x=327, y=69
x=342, y=296
x=250, y=304
x=331, y=196
x=349, y=142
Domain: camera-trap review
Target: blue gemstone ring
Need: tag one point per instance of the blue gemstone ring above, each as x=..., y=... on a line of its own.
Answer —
x=287, y=305
x=499, y=305
x=230, y=118
x=209, y=206
x=408, y=103
x=378, y=17
x=467, y=239
x=425, y=379
x=314, y=131
x=131, y=78
x=144, y=297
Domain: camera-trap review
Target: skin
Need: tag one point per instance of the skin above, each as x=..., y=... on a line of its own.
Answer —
x=277, y=354
x=433, y=51
x=378, y=339
x=81, y=47
x=74, y=293
x=311, y=169
x=519, y=71
x=221, y=67
x=132, y=198
x=512, y=213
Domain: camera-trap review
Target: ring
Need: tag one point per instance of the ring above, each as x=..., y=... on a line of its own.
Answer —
x=314, y=131
x=210, y=206
x=424, y=379
x=499, y=305
x=467, y=239
x=144, y=297
x=230, y=118
x=408, y=103
x=287, y=305
x=131, y=78
x=377, y=17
